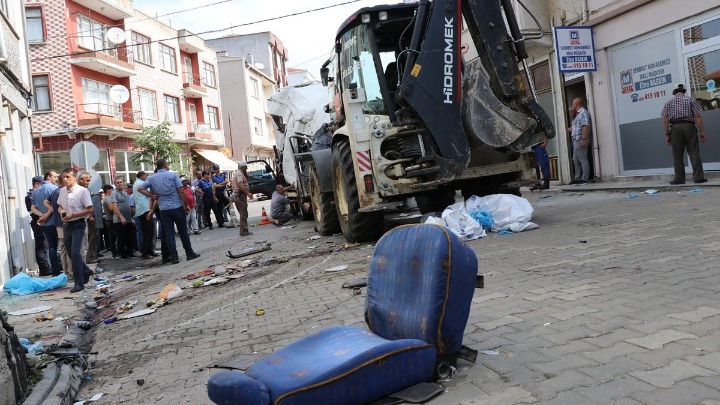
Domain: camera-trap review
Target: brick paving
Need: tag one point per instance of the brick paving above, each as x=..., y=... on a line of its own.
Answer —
x=612, y=301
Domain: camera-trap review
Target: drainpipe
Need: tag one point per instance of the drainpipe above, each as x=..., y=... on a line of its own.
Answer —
x=588, y=78
x=11, y=204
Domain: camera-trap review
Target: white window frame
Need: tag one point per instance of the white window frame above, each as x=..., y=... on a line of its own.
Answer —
x=143, y=51
x=258, y=126
x=31, y=22
x=209, y=73
x=45, y=86
x=93, y=35
x=148, y=104
x=96, y=98
x=168, y=58
x=175, y=103
x=255, y=87
x=213, y=115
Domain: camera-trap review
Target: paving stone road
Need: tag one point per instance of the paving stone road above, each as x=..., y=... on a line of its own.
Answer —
x=613, y=300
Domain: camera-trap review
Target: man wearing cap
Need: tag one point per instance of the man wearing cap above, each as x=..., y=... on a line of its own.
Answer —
x=41, y=249
x=173, y=205
x=680, y=114
x=241, y=192
x=220, y=181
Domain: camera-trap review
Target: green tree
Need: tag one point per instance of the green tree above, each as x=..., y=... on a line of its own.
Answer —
x=156, y=143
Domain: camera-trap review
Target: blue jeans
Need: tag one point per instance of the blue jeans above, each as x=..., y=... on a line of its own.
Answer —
x=170, y=219
x=51, y=237
x=138, y=232
x=74, y=235
x=543, y=161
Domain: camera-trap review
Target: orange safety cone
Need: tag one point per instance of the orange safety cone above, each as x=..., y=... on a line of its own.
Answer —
x=264, y=220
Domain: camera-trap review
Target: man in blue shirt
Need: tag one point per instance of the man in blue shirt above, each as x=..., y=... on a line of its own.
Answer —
x=46, y=220
x=209, y=201
x=220, y=181
x=173, y=205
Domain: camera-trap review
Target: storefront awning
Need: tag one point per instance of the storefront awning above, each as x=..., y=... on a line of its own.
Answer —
x=217, y=157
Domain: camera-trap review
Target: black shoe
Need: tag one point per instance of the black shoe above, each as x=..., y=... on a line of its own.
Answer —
x=701, y=181
x=175, y=260
x=246, y=234
x=221, y=226
x=166, y=260
x=197, y=233
x=676, y=182
x=210, y=227
x=86, y=277
x=193, y=256
x=77, y=288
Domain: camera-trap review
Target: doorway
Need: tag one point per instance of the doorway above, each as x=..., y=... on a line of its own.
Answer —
x=573, y=90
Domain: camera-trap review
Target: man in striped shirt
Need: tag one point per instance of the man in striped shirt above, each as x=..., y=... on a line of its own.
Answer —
x=680, y=114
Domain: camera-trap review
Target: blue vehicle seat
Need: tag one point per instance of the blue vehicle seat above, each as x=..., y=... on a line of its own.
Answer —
x=420, y=286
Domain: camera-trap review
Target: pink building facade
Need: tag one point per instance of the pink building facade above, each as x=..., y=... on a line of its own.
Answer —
x=82, y=49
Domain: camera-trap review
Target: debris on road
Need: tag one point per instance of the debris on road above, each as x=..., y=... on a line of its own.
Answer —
x=696, y=190
x=95, y=397
x=337, y=268
x=29, y=311
x=126, y=306
x=358, y=282
x=490, y=352
x=142, y=312
x=248, y=251
x=260, y=312
x=651, y=192
x=45, y=316
x=633, y=195
x=22, y=284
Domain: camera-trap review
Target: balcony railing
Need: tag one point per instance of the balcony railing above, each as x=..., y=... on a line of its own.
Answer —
x=194, y=86
x=99, y=54
x=108, y=115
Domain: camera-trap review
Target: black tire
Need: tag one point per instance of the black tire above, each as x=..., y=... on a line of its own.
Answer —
x=435, y=201
x=356, y=226
x=323, y=207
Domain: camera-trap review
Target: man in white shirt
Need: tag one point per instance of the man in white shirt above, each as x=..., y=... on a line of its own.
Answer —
x=75, y=205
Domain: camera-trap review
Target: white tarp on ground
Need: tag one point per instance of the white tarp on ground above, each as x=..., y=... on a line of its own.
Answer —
x=301, y=110
x=508, y=212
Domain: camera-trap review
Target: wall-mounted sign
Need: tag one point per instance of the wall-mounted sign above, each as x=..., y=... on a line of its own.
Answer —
x=575, y=49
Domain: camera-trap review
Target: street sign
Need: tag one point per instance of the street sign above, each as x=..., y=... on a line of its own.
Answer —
x=575, y=49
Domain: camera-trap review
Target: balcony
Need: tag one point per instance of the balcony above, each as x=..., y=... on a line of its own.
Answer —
x=190, y=42
x=108, y=115
x=114, y=9
x=107, y=59
x=200, y=130
x=193, y=86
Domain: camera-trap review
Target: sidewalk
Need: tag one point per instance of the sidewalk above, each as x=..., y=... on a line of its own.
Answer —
x=627, y=184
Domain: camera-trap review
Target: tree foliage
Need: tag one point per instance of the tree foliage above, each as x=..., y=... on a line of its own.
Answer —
x=156, y=143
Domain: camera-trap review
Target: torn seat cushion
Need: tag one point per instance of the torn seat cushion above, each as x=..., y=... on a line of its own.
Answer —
x=339, y=365
x=420, y=285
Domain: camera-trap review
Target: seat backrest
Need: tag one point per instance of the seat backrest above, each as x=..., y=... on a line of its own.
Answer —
x=420, y=286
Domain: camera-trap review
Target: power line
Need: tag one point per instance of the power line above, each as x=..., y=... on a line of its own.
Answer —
x=143, y=19
x=325, y=55
x=198, y=34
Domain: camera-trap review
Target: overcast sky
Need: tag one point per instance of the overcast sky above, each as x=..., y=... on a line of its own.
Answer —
x=308, y=37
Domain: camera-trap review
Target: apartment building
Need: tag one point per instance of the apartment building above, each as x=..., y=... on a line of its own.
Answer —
x=251, y=68
x=249, y=133
x=102, y=71
x=16, y=152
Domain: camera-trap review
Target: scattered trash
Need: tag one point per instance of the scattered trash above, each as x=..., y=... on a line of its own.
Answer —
x=490, y=352
x=457, y=219
x=128, y=278
x=218, y=280
x=91, y=305
x=135, y=314
x=45, y=316
x=483, y=218
x=22, y=284
x=206, y=272
x=506, y=232
x=356, y=291
x=544, y=196
x=508, y=211
x=358, y=282
x=84, y=325
x=349, y=245
x=150, y=303
x=650, y=191
x=110, y=320
x=249, y=251
x=220, y=270
x=312, y=247
x=246, y=263
x=29, y=311
x=198, y=283
x=633, y=195
x=583, y=241
x=140, y=382
x=337, y=268
x=260, y=312
x=288, y=227
x=95, y=397
x=696, y=190
x=546, y=324
x=314, y=237
x=32, y=349
x=126, y=306
x=171, y=291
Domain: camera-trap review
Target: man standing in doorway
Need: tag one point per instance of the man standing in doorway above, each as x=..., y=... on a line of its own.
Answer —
x=241, y=192
x=75, y=205
x=680, y=114
x=580, y=134
x=173, y=205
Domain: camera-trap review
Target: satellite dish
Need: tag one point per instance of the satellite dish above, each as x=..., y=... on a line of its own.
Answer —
x=260, y=65
x=116, y=35
x=119, y=94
